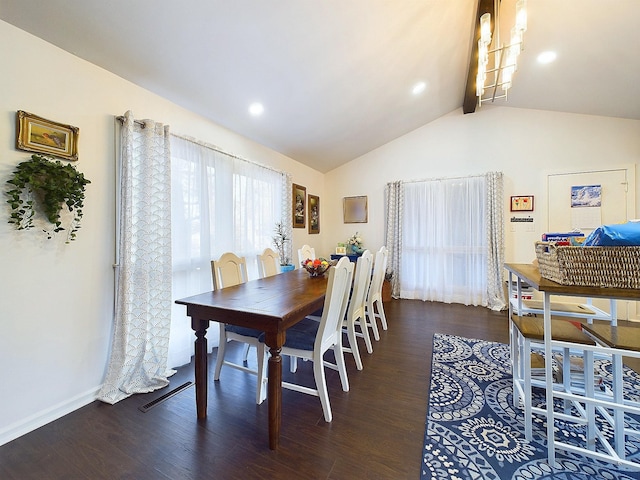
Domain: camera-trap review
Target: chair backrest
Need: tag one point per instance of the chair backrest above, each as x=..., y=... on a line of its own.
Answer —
x=379, y=270
x=228, y=270
x=306, y=252
x=268, y=263
x=335, y=304
x=361, y=281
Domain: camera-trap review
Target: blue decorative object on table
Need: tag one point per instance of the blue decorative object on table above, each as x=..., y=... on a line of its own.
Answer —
x=355, y=243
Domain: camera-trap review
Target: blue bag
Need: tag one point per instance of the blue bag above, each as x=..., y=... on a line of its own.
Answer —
x=623, y=234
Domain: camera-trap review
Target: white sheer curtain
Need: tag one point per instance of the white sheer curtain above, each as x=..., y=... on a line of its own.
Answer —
x=220, y=203
x=138, y=361
x=452, y=240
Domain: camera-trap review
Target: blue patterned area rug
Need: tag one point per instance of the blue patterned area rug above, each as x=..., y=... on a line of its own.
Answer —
x=474, y=432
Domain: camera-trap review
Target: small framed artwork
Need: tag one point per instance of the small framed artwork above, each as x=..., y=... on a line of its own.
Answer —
x=299, y=200
x=341, y=250
x=37, y=134
x=522, y=203
x=355, y=209
x=314, y=213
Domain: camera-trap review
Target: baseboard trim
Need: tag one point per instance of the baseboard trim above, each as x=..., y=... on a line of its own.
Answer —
x=39, y=419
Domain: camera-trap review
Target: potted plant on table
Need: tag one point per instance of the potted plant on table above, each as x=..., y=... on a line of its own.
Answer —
x=280, y=240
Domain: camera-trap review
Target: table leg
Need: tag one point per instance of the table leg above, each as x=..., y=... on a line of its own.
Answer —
x=274, y=390
x=200, y=327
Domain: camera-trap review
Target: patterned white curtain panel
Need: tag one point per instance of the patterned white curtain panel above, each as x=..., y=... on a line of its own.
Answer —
x=138, y=361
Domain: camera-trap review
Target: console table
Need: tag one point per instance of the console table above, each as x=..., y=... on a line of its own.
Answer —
x=530, y=274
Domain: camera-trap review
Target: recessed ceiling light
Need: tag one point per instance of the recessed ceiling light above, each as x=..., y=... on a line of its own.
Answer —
x=418, y=88
x=256, y=109
x=547, y=57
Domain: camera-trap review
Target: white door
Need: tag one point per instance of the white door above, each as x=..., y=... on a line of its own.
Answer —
x=617, y=206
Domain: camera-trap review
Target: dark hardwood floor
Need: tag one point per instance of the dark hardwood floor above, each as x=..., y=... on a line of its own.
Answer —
x=376, y=433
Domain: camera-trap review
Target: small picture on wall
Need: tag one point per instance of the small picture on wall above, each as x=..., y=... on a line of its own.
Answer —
x=586, y=196
x=314, y=214
x=522, y=203
x=355, y=209
x=37, y=134
x=299, y=199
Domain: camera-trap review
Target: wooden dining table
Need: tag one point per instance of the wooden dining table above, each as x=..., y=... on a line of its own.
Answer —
x=271, y=305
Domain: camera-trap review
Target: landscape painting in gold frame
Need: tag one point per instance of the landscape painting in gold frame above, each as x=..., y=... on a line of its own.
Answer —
x=39, y=135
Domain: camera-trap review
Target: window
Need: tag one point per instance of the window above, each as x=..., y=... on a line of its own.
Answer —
x=220, y=203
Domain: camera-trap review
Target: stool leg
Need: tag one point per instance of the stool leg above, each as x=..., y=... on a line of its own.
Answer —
x=566, y=377
x=589, y=391
x=618, y=413
x=515, y=363
x=526, y=361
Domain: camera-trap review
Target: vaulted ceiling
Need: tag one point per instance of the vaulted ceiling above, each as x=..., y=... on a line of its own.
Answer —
x=335, y=77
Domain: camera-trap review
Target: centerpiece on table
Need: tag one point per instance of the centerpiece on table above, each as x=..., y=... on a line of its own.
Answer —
x=355, y=243
x=317, y=267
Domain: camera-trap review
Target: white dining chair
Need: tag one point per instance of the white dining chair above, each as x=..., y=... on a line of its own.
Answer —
x=355, y=317
x=310, y=339
x=268, y=263
x=227, y=271
x=373, y=306
x=304, y=253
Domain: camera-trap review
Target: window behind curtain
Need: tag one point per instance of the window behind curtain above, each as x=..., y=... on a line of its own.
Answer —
x=444, y=241
x=219, y=203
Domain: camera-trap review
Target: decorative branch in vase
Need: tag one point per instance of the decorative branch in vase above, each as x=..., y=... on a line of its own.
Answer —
x=280, y=240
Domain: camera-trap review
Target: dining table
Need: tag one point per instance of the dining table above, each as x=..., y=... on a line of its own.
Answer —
x=271, y=305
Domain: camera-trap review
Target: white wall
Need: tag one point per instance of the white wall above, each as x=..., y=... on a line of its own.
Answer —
x=56, y=300
x=524, y=144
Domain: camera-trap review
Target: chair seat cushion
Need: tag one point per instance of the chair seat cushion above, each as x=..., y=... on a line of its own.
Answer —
x=302, y=335
x=247, y=332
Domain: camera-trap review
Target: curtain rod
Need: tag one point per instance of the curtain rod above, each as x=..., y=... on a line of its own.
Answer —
x=441, y=178
x=219, y=150
x=120, y=118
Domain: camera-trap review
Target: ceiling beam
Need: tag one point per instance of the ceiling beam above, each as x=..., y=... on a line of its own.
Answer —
x=470, y=99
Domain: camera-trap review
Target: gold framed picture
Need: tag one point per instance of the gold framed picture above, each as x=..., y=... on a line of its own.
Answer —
x=298, y=201
x=355, y=209
x=314, y=213
x=341, y=250
x=37, y=134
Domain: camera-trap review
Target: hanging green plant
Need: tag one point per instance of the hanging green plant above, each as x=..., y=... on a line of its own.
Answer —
x=46, y=185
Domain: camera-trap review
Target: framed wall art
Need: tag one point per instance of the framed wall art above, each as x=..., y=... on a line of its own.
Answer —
x=355, y=209
x=522, y=203
x=298, y=201
x=37, y=134
x=314, y=213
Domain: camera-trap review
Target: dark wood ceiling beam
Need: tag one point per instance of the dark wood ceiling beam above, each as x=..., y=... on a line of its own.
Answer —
x=470, y=99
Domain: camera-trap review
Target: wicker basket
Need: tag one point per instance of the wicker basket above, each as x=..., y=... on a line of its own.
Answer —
x=616, y=267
